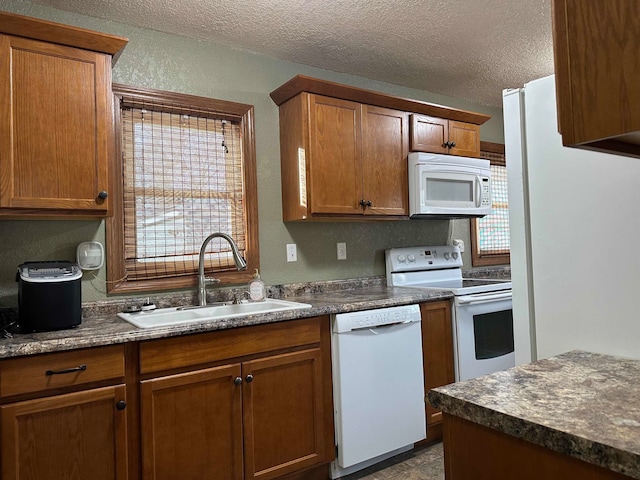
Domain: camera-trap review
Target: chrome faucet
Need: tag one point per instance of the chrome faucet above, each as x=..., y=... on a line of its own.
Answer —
x=241, y=264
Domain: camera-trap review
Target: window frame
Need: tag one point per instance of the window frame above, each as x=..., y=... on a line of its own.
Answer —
x=242, y=113
x=479, y=259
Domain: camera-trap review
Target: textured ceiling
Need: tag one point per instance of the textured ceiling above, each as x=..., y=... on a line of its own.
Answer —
x=469, y=49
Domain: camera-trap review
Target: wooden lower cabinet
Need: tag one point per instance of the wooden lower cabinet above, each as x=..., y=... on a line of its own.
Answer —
x=81, y=435
x=265, y=417
x=437, y=351
x=476, y=452
x=192, y=425
x=283, y=414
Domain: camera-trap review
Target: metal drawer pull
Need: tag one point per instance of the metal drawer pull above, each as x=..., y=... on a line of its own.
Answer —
x=81, y=368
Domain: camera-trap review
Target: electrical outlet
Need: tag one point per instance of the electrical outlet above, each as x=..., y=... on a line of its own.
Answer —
x=292, y=253
x=460, y=244
x=342, y=250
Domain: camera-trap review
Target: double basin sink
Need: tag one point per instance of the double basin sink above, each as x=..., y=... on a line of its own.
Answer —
x=166, y=317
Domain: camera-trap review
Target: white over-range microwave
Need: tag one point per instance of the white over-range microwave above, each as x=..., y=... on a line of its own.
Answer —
x=448, y=186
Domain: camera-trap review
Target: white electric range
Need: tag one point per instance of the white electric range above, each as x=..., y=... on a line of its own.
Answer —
x=482, y=313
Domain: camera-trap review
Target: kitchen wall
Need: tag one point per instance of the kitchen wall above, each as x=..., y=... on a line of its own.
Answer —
x=168, y=62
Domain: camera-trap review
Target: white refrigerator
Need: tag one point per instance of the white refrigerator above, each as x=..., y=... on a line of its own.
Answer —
x=574, y=218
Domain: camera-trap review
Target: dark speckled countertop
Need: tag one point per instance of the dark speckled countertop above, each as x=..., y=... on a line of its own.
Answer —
x=100, y=325
x=581, y=404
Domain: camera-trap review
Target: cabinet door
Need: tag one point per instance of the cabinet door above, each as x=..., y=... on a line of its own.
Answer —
x=437, y=350
x=385, y=144
x=335, y=171
x=55, y=128
x=597, y=71
x=466, y=136
x=429, y=134
x=192, y=425
x=283, y=414
x=74, y=436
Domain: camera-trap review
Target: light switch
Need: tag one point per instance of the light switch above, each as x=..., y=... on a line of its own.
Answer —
x=292, y=253
x=342, y=250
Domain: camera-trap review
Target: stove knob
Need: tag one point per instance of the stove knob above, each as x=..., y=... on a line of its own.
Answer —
x=411, y=258
x=402, y=258
x=455, y=255
x=446, y=256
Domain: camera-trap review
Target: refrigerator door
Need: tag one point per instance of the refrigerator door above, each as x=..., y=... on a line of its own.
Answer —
x=523, y=312
x=583, y=226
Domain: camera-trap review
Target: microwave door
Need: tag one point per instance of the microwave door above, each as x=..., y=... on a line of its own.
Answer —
x=453, y=190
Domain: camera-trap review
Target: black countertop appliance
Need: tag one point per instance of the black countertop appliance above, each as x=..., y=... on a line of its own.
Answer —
x=49, y=296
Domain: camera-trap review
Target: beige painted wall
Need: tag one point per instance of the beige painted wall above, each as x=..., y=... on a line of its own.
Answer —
x=169, y=62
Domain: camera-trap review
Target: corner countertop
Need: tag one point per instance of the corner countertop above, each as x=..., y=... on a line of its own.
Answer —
x=581, y=404
x=108, y=329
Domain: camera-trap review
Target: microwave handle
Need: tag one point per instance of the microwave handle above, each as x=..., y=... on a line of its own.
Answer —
x=478, y=192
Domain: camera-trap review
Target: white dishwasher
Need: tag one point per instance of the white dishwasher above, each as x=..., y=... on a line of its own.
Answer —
x=378, y=385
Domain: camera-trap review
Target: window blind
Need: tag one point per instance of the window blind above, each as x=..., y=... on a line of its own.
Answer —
x=493, y=229
x=183, y=180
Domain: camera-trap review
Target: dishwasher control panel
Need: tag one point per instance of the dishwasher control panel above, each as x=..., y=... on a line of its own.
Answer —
x=346, y=322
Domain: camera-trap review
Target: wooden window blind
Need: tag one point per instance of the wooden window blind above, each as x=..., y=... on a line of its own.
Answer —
x=184, y=171
x=490, y=234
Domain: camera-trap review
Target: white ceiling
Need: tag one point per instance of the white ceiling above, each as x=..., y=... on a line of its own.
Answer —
x=469, y=49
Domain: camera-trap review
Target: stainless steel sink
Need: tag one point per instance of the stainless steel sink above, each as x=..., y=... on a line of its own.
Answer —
x=165, y=317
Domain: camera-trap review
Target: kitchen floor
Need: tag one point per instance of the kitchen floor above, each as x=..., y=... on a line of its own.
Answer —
x=423, y=464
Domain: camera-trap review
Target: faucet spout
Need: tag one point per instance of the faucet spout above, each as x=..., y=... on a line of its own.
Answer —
x=240, y=262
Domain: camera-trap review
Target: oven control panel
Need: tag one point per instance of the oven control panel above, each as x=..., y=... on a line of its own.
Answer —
x=409, y=259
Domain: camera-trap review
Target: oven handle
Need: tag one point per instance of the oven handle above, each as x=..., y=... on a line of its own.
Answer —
x=478, y=192
x=476, y=299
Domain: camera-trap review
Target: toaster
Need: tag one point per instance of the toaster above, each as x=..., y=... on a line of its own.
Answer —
x=49, y=296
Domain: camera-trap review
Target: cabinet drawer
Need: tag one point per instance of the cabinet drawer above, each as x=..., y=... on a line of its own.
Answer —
x=191, y=350
x=47, y=372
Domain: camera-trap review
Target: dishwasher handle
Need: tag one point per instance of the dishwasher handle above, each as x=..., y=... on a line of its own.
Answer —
x=375, y=327
x=477, y=299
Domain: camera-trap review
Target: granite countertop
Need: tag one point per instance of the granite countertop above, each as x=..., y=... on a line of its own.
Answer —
x=99, y=328
x=581, y=404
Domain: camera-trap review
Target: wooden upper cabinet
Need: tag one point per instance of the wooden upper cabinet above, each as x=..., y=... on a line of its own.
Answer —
x=343, y=150
x=439, y=135
x=429, y=134
x=385, y=141
x=464, y=139
x=597, y=65
x=335, y=167
x=57, y=132
x=349, y=162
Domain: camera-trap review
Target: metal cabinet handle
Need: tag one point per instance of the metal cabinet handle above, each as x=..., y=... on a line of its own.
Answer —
x=249, y=378
x=80, y=368
x=237, y=380
x=121, y=405
x=452, y=145
x=103, y=195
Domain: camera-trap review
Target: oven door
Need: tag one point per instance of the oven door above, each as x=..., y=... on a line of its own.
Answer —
x=483, y=328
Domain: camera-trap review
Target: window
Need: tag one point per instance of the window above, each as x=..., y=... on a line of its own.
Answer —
x=490, y=234
x=188, y=169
